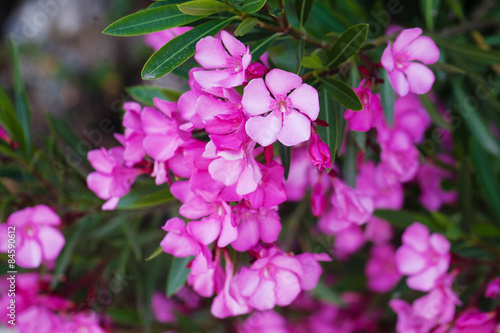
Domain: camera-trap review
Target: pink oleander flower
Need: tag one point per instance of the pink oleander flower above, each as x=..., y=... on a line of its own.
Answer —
x=381, y=269
x=271, y=191
x=348, y=241
x=81, y=322
x=493, y=288
x=365, y=119
x=264, y=322
x=476, y=322
x=400, y=159
x=134, y=134
x=37, y=238
x=157, y=39
x=349, y=206
x=112, y=179
x=303, y=175
x=320, y=153
x=230, y=65
x=178, y=241
x=423, y=257
x=164, y=309
x=318, y=200
x=430, y=177
x=206, y=276
x=378, y=231
x=399, y=60
x=256, y=70
x=291, y=113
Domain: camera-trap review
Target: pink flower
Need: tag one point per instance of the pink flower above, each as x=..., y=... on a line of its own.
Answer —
x=320, y=153
x=318, y=200
x=206, y=276
x=378, y=231
x=270, y=192
x=157, y=39
x=264, y=322
x=349, y=206
x=398, y=60
x=303, y=175
x=475, y=322
x=291, y=114
x=493, y=288
x=229, y=65
x=112, y=179
x=348, y=241
x=134, y=135
x=365, y=119
x=81, y=322
x=381, y=269
x=37, y=238
x=178, y=241
x=430, y=177
x=424, y=257
x=163, y=308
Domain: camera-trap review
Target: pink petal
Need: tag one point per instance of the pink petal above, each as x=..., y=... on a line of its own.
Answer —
x=205, y=230
x=100, y=184
x=100, y=160
x=29, y=254
x=270, y=228
x=248, y=235
x=287, y=287
x=425, y=280
x=388, y=59
x=248, y=281
x=439, y=243
x=111, y=204
x=249, y=179
x=4, y=238
x=44, y=215
x=210, y=53
x=280, y=82
x=405, y=38
x=416, y=236
x=305, y=98
x=420, y=78
x=228, y=232
x=264, y=297
x=424, y=50
x=210, y=79
x=154, y=122
x=160, y=147
x=256, y=98
x=234, y=46
x=296, y=129
x=399, y=83
x=408, y=261
x=166, y=107
x=264, y=130
x=227, y=172
x=52, y=242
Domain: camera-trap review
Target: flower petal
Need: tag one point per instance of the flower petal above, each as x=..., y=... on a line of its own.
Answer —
x=296, y=129
x=205, y=230
x=44, y=215
x=399, y=83
x=387, y=58
x=234, y=46
x=405, y=38
x=29, y=254
x=416, y=236
x=210, y=53
x=420, y=78
x=280, y=82
x=305, y=98
x=287, y=287
x=424, y=50
x=256, y=98
x=264, y=130
x=52, y=242
x=408, y=261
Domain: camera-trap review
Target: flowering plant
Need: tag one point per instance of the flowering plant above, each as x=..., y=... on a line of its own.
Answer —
x=275, y=193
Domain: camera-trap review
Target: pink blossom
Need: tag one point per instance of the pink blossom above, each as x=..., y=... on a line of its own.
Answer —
x=424, y=257
x=430, y=177
x=493, y=288
x=405, y=74
x=178, y=241
x=157, y=39
x=381, y=269
x=163, y=308
x=348, y=241
x=256, y=70
x=365, y=119
x=264, y=322
x=475, y=322
x=320, y=153
x=81, y=322
x=230, y=65
x=37, y=238
x=318, y=200
x=303, y=175
x=349, y=206
x=291, y=114
x=134, y=135
x=112, y=179
x=270, y=191
x=206, y=276
x=378, y=231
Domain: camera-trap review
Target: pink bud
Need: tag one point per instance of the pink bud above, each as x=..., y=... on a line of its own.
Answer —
x=318, y=200
x=255, y=70
x=320, y=153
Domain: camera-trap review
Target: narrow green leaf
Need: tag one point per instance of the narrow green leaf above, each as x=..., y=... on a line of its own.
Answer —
x=326, y=293
x=252, y=6
x=203, y=7
x=148, y=21
x=145, y=94
x=441, y=66
x=473, y=120
x=436, y=116
x=349, y=165
x=301, y=50
x=342, y=93
x=347, y=45
x=145, y=196
x=360, y=139
x=465, y=192
x=313, y=61
x=487, y=230
x=427, y=7
x=131, y=237
x=470, y=51
x=286, y=157
x=155, y=254
x=76, y=150
x=303, y=10
x=177, y=274
x=8, y=118
x=403, y=218
x=179, y=49
x=333, y=113
x=388, y=97
x=246, y=26
x=260, y=47
x=487, y=179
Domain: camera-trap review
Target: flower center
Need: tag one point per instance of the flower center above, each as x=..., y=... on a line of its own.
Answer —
x=282, y=105
x=29, y=230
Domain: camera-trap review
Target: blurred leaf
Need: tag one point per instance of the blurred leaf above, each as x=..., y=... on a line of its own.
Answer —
x=403, y=218
x=74, y=143
x=465, y=193
x=21, y=102
x=487, y=180
x=487, y=230
x=145, y=94
x=474, y=122
x=203, y=7
x=303, y=10
x=155, y=254
x=276, y=12
x=456, y=7
x=131, y=237
x=252, y=6
x=285, y=154
x=145, y=196
x=441, y=66
x=313, y=61
x=177, y=274
x=429, y=10
x=343, y=93
x=301, y=50
x=323, y=292
x=333, y=114
x=8, y=118
x=260, y=47
x=179, y=49
x=359, y=138
x=470, y=51
x=347, y=45
x=349, y=165
x=245, y=26
x=387, y=96
x=149, y=20
x=436, y=116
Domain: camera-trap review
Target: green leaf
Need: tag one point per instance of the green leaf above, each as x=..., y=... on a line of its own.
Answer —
x=470, y=51
x=342, y=93
x=487, y=230
x=323, y=292
x=359, y=138
x=203, y=7
x=303, y=10
x=260, y=47
x=179, y=49
x=313, y=61
x=349, y=165
x=75, y=150
x=252, y=6
x=301, y=50
x=428, y=11
x=286, y=157
x=387, y=96
x=434, y=112
x=149, y=20
x=441, y=66
x=131, y=237
x=487, y=179
x=8, y=118
x=155, y=254
x=333, y=113
x=347, y=45
x=177, y=274
x=248, y=24
x=403, y=218
x=465, y=191
x=145, y=94
x=474, y=122
x=21, y=106
x=145, y=196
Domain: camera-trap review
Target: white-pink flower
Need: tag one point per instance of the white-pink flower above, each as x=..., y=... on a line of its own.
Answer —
x=405, y=74
x=284, y=116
